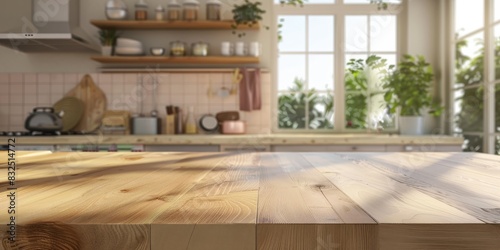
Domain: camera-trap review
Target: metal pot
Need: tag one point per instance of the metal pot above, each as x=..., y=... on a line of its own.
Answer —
x=199, y=49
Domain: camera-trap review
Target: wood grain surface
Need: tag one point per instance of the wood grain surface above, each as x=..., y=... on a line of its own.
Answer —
x=94, y=101
x=198, y=201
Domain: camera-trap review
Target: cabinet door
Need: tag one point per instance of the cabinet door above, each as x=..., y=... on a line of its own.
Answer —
x=242, y=148
x=424, y=148
x=181, y=148
x=328, y=148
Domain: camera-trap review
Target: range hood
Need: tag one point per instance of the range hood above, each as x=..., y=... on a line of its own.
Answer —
x=44, y=26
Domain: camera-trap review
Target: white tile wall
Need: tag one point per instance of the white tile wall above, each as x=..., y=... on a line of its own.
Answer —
x=20, y=93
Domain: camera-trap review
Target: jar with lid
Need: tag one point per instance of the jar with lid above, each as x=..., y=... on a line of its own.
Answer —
x=177, y=48
x=173, y=11
x=199, y=49
x=141, y=10
x=190, y=10
x=214, y=10
x=160, y=13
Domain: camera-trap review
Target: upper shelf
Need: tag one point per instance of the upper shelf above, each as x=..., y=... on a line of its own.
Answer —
x=181, y=25
x=227, y=60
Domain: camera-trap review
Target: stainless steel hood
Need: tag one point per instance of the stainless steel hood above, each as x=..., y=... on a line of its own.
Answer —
x=43, y=26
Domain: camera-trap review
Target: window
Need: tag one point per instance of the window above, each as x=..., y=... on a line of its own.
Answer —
x=477, y=60
x=330, y=61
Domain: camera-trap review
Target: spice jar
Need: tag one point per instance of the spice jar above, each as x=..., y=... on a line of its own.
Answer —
x=160, y=13
x=177, y=48
x=141, y=10
x=173, y=11
x=190, y=10
x=213, y=10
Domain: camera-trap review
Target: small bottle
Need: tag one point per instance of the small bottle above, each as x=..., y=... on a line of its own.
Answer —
x=190, y=125
x=141, y=11
x=173, y=11
x=160, y=13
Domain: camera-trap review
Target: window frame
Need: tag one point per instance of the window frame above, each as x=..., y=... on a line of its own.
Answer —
x=338, y=10
x=489, y=133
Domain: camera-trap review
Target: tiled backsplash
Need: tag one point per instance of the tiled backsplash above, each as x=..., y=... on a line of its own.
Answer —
x=20, y=93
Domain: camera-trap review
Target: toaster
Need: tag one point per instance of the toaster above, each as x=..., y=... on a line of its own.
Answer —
x=145, y=125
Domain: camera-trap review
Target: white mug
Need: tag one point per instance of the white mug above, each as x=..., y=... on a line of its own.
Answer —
x=240, y=49
x=226, y=49
x=254, y=49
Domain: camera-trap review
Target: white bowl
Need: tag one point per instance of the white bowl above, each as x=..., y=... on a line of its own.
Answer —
x=128, y=51
x=129, y=43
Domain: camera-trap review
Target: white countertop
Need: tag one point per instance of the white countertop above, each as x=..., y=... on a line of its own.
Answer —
x=256, y=139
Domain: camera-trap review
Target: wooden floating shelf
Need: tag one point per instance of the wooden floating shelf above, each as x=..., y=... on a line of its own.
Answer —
x=176, y=60
x=174, y=25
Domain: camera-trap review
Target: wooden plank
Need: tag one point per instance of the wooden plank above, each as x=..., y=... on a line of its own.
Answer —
x=222, y=205
x=76, y=236
x=179, y=25
x=293, y=195
x=473, y=190
x=228, y=60
x=383, y=198
x=439, y=237
x=319, y=237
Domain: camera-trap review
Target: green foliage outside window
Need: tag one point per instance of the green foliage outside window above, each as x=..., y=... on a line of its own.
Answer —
x=469, y=71
x=293, y=106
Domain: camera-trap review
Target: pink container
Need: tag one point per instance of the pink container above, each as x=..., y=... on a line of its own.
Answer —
x=233, y=127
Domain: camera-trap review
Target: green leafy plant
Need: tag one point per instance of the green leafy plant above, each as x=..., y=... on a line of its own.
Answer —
x=362, y=79
x=249, y=13
x=293, y=106
x=108, y=37
x=381, y=5
x=407, y=87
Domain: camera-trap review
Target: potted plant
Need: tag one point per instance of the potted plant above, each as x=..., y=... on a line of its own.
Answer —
x=407, y=91
x=108, y=39
x=249, y=13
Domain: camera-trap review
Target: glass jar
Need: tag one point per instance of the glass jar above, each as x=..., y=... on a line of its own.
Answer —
x=173, y=11
x=199, y=49
x=160, y=13
x=190, y=10
x=177, y=48
x=214, y=10
x=141, y=10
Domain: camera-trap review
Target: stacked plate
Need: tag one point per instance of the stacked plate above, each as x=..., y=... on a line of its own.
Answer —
x=128, y=47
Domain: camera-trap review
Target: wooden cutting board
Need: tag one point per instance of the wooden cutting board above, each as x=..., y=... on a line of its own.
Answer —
x=94, y=101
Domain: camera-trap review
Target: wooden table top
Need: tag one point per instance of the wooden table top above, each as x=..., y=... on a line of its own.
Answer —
x=253, y=201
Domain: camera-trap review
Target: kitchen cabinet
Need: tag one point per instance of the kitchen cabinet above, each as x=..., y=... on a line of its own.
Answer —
x=181, y=148
x=328, y=148
x=174, y=25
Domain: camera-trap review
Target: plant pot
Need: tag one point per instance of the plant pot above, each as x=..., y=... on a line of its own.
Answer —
x=411, y=125
x=106, y=50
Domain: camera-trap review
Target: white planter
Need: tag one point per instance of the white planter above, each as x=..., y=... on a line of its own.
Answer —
x=106, y=50
x=411, y=125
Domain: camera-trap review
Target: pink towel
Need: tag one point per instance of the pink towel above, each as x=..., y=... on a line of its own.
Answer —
x=250, y=90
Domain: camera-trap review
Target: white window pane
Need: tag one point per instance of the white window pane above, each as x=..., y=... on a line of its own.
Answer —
x=469, y=16
x=321, y=72
x=290, y=67
x=356, y=33
x=468, y=60
x=383, y=33
x=321, y=33
x=348, y=57
x=496, y=6
x=293, y=33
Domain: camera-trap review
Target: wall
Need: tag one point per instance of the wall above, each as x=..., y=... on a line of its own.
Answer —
x=19, y=93
x=13, y=61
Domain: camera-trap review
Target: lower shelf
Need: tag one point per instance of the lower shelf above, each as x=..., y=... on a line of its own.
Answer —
x=177, y=60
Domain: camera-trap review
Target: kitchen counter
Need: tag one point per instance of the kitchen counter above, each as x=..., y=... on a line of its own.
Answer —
x=254, y=201
x=257, y=139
